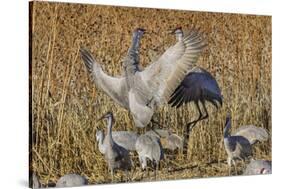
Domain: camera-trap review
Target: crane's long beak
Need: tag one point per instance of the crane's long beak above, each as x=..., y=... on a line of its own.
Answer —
x=145, y=32
x=101, y=118
x=170, y=31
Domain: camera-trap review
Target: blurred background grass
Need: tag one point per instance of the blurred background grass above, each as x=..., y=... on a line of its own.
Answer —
x=65, y=103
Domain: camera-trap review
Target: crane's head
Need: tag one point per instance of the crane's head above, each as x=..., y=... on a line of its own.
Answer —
x=176, y=31
x=108, y=115
x=265, y=171
x=139, y=32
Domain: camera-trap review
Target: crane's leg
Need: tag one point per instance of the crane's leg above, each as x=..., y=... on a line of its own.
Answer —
x=189, y=127
x=144, y=165
x=193, y=123
x=243, y=162
x=201, y=117
x=229, y=162
x=205, y=110
x=112, y=177
x=235, y=167
x=127, y=176
x=155, y=170
x=141, y=164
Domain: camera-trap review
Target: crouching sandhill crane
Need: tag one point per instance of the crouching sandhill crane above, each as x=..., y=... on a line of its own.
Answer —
x=174, y=142
x=126, y=139
x=256, y=167
x=116, y=156
x=142, y=91
x=252, y=133
x=237, y=147
x=71, y=180
x=149, y=147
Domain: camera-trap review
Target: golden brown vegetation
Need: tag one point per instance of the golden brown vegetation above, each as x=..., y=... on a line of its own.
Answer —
x=66, y=104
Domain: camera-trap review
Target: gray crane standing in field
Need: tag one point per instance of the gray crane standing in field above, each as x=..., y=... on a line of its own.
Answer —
x=126, y=139
x=149, y=146
x=256, y=167
x=142, y=91
x=71, y=180
x=237, y=147
x=116, y=156
x=253, y=133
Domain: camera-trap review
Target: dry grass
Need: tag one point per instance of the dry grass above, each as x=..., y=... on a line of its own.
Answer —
x=65, y=104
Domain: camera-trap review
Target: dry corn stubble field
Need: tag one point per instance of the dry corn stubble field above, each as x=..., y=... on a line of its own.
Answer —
x=65, y=103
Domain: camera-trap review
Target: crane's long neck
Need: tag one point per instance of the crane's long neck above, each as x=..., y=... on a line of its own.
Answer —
x=135, y=45
x=179, y=35
x=109, y=129
x=101, y=142
x=132, y=59
x=226, y=132
x=131, y=62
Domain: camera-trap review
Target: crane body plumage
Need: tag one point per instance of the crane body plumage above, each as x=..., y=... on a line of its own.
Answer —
x=252, y=133
x=197, y=85
x=168, y=139
x=149, y=147
x=71, y=180
x=126, y=139
x=256, y=167
x=35, y=181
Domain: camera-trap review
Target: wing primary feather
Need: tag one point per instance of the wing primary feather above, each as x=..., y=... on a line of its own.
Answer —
x=87, y=59
x=178, y=98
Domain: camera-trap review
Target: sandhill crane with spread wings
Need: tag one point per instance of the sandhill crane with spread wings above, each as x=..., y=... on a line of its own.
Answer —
x=141, y=92
x=116, y=156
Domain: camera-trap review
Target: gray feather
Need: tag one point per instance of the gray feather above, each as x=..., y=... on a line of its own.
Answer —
x=252, y=133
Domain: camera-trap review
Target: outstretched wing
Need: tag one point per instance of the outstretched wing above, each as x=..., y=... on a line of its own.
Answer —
x=114, y=87
x=252, y=133
x=163, y=76
x=197, y=84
